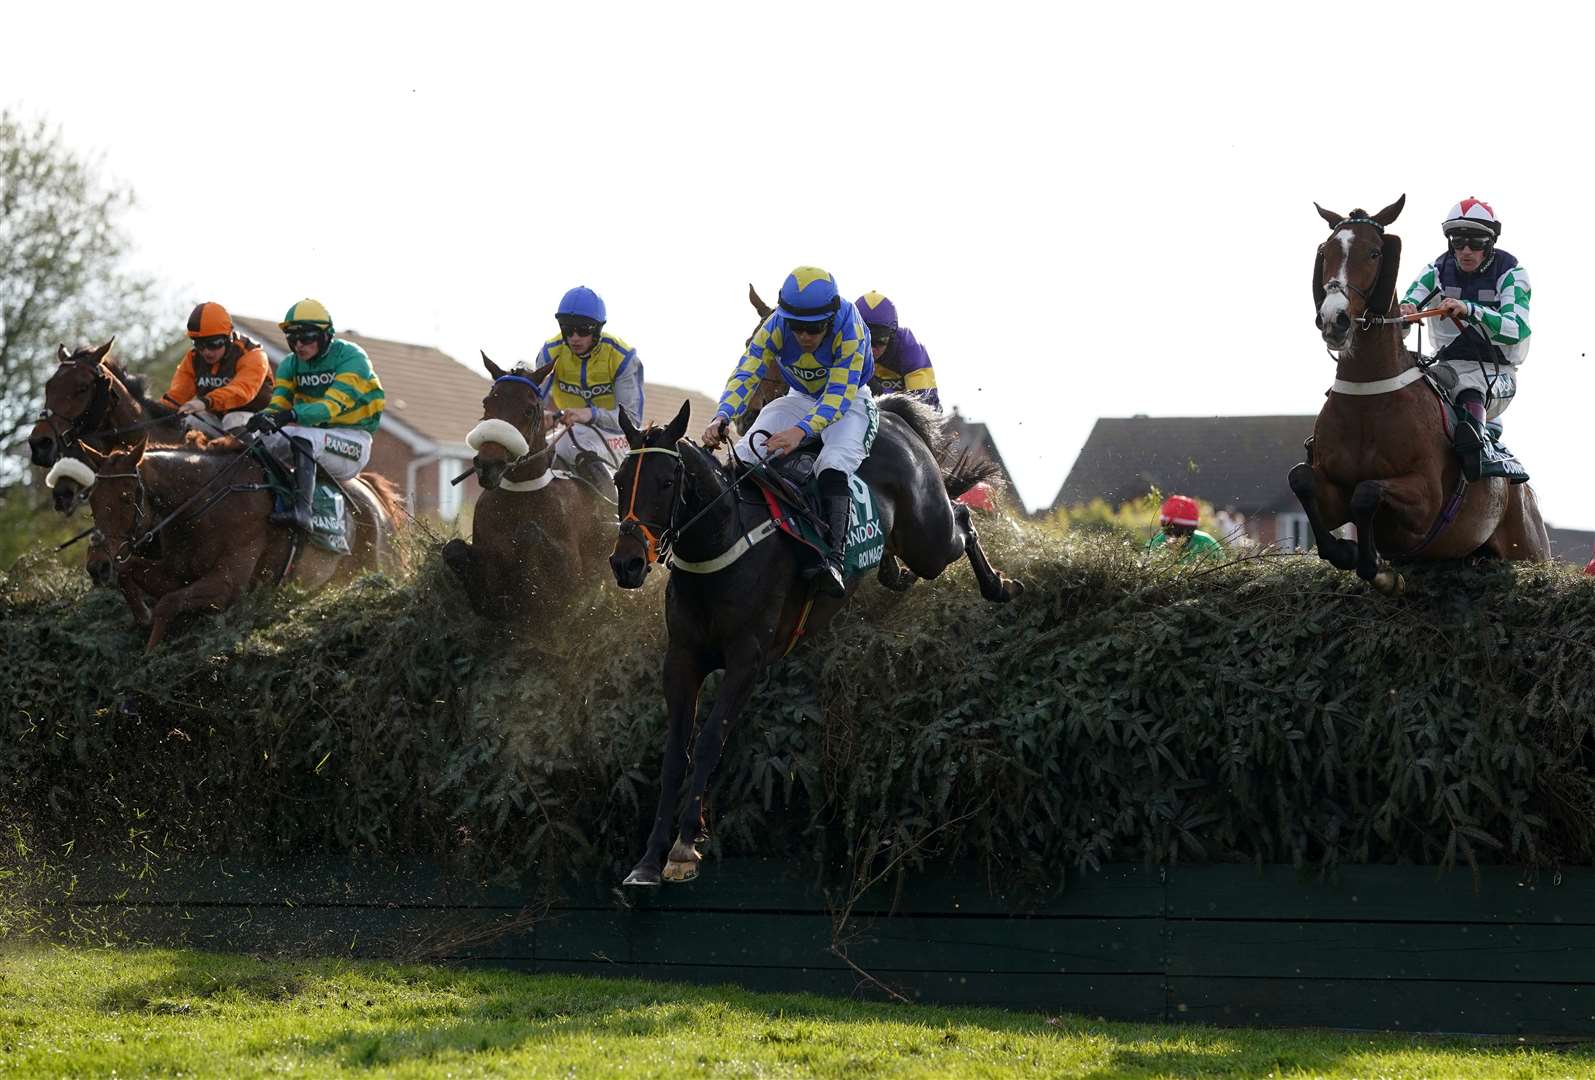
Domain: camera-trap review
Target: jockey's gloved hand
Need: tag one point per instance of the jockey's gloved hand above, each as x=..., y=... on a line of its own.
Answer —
x=265, y=423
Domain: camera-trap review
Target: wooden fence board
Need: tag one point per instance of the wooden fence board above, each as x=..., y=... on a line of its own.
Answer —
x=1380, y=893
x=1490, y=1008
x=1347, y=950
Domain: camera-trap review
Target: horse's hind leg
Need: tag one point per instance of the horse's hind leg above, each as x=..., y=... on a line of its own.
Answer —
x=1342, y=554
x=1366, y=501
x=994, y=585
x=1521, y=532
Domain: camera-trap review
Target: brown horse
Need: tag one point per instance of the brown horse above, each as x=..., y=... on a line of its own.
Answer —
x=157, y=524
x=89, y=398
x=1381, y=458
x=535, y=536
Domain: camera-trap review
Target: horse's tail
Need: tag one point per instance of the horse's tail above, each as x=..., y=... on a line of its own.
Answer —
x=386, y=492
x=960, y=472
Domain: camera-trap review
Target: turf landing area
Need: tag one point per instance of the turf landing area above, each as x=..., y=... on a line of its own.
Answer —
x=89, y=1012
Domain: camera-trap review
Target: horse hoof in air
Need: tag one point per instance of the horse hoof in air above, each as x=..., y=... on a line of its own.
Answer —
x=642, y=875
x=679, y=872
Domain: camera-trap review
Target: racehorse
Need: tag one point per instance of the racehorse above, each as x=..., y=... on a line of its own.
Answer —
x=534, y=535
x=89, y=398
x=738, y=603
x=191, y=527
x=1381, y=457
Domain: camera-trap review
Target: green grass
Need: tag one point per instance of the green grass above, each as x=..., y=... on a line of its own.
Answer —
x=78, y=1012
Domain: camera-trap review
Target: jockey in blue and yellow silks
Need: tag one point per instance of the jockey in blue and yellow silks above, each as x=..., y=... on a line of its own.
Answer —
x=595, y=375
x=818, y=344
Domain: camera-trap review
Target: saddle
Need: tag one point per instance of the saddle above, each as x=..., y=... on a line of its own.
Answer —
x=330, y=522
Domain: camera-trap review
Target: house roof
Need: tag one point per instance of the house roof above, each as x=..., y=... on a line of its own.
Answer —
x=1571, y=545
x=427, y=390
x=1233, y=462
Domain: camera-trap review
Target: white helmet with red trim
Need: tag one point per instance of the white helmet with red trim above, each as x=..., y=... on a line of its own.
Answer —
x=1471, y=215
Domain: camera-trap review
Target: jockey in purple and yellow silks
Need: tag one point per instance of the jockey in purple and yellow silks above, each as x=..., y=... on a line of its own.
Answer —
x=902, y=366
x=818, y=343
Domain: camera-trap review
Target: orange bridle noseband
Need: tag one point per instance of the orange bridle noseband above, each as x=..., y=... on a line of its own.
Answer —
x=631, y=524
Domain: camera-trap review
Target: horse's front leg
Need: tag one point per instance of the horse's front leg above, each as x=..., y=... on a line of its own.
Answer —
x=684, y=675
x=217, y=591
x=1367, y=500
x=1342, y=554
x=742, y=673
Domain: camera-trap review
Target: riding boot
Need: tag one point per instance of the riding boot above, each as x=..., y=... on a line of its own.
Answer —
x=299, y=513
x=1469, y=439
x=836, y=506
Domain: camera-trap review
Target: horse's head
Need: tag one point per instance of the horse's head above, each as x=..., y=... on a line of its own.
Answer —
x=121, y=510
x=649, y=482
x=70, y=480
x=511, y=425
x=1354, y=272
x=77, y=398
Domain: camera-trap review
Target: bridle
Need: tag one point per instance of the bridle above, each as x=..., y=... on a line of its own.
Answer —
x=86, y=423
x=657, y=538
x=1367, y=319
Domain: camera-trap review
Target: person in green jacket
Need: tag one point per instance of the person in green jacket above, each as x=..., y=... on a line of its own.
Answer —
x=1179, y=518
x=325, y=406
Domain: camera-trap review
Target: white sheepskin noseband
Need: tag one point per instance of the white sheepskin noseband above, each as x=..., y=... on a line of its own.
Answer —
x=70, y=469
x=498, y=431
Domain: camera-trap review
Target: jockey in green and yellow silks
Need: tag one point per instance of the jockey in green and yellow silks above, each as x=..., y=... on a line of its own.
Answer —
x=594, y=376
x=817, y=342
x=325, y=407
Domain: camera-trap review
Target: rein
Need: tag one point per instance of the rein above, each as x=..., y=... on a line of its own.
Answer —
x=134, y=541
x=659, y=547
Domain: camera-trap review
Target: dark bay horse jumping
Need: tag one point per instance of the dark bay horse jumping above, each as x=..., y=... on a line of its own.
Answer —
x=535, y=536
x=735, y=599
x=157, y=525
x=1381, y=456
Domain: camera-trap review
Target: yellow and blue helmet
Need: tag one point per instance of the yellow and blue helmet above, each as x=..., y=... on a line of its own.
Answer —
x=809, y=294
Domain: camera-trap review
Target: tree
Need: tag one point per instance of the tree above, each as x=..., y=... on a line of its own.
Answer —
x=64, y=277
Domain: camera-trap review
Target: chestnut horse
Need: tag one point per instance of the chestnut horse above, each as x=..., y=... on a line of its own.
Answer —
x=1381, y=458
x=735, y=599
x=535, y=536
x=89, y=398
x=191, y=527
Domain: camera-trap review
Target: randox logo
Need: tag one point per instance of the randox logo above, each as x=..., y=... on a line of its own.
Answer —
x=343, y=447
x=892, y=386
x=587, y=392
x=315, y=378
x=810, y=374
x=864, y=533
x=211, y=382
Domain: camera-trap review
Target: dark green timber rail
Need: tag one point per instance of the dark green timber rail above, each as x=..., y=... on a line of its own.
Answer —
x=1380, y=947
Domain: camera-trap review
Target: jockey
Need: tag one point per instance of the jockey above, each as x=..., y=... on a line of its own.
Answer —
x=325, y=408
x=595, y=376
x=1480, y=347
x=816, y=340
x=224, y=378
x=901, y=363
x=1178, y=520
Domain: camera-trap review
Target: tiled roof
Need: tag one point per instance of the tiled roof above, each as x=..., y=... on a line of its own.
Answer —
x=975, y=436
x=427, y=390
x=1233, y=462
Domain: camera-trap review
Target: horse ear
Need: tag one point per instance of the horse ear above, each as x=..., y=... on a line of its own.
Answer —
x=99, y=354
x=633, y=436
x=1329, y=215
x=492, y=368
x=61, y=355
x=1391, y=212
x=678, y=427
x=1383, y=296
x=758, y=304
x=541, y=373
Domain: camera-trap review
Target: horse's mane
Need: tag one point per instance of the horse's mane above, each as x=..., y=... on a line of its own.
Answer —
x=386, y=492
x=960, y=471
x=135, y=384
x=931, y=429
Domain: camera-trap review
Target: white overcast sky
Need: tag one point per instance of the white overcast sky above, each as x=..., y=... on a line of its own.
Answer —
x=1082, y=211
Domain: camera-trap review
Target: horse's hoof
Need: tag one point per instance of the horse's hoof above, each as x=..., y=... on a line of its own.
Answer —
x=642, y=875
x=1012, y=587
x=680, y=871
x=1390, y=582
x=457, y=555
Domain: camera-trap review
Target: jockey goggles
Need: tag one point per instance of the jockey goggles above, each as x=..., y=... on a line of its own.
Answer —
x=1476, y=241
x=577, y=327
x=798, y=326
x=881, y=335
x=296, y=336
x=218, y=342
